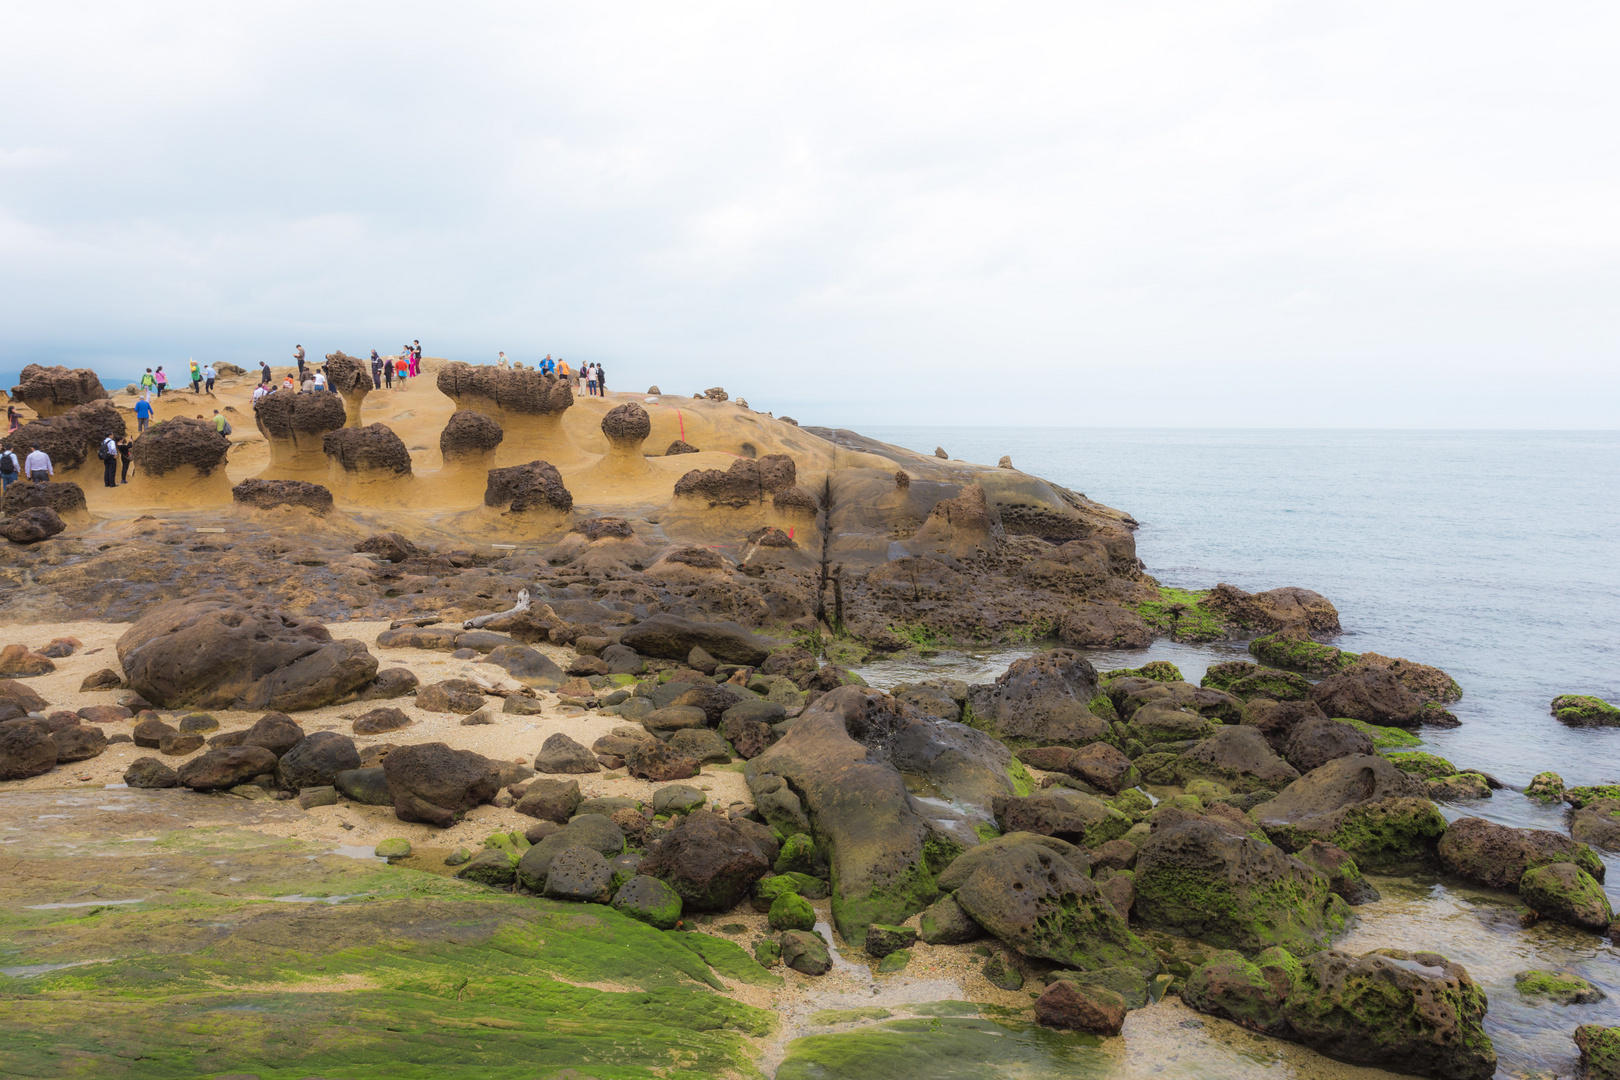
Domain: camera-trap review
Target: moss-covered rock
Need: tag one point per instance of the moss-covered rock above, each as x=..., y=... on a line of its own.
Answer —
x=1561, y=987
x=1597, y=823
x=882, y=940
x=1363, y=804
x=799, y=855
x=1589, y=793
x=1460, y=787
x=1247, y=681
x=1600, y=1051
x=1422, y=764
x=1565, y=892
x=648, y=900
x=1583, y=710
x=805, y=952
x=945, y=923
x=1295, y=653
x=1002, y=973
x=790, y=911
x=395, y=848
x=1158, y=670
x=1247, y=992
x=1417, y=1013
x=1545, y=787
x=1199, y=879
x=1498, y=855
x=1384, y=738
x=493, y=866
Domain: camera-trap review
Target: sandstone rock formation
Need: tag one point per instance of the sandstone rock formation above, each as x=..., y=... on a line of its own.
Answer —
x=64, y=497
x=350, y=378
x=295, y=426
x=181, y=460
x=70, y=436
x=368, y=464
x=527, y=404
x=270, y=494
x=468, y=443
x=32, y=525
x=535, y=491
x=51, y=391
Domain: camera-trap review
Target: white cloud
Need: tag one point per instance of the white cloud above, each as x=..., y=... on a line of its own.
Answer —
x=1218, y=213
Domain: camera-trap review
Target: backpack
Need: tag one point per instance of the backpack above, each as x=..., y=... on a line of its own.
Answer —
x=8, y=463
x=226, y=430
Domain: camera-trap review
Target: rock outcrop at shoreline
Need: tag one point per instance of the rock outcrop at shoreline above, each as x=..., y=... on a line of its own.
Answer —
x=51, y=391
x=270, y=494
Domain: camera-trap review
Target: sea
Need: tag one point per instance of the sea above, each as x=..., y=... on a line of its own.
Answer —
x=1494, y=555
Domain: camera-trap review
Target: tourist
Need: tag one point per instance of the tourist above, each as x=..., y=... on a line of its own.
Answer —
x=160, y=380
x=308, y=386
x=388, y=373
x=416, y=359
x=402, y=368
x=10, y=468
x=108, y=453
x=589, y=375
x=38, y=465
x=376, y=370
x=259, y=393
x=562, y=369
x=124, y=448
x=288, y=384
x=501, y=361
x=265, y=378
x=298, y=355
x=221, y=425
x=143, y=414
x=601, y=381
x=13, y=418
x=209, y=375
x=146, y=381
x=320, y=379
x=196, y=378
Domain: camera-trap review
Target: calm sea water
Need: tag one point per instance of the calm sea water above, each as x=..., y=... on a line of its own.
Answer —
x=1494, y=555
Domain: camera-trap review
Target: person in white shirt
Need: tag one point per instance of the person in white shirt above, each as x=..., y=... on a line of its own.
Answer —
x=209, y=375
x=109, y=462
x=259, y=392
x=320, y=380
x=38, y=467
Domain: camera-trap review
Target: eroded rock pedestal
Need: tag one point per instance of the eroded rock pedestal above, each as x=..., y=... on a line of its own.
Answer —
x=368, y=465
x=180, y=461
x=51, y=391
x=350, y=378
x=467, y=445
x=295, y=426
x=528, y=406
x=532, y=495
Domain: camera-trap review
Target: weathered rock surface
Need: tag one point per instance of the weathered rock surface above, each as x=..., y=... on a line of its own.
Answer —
x=673, y=638
x=434, y=784
x=226, y=767
x=710, y=861
x=1042, y=700
x=32, y=525
x=1498, y=856
x=1363, y=804
x=214, y=653
x=269, y=494
x=537, y=486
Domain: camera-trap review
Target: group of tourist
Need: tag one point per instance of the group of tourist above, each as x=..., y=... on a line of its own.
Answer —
x=588, y=378
x=201, y=377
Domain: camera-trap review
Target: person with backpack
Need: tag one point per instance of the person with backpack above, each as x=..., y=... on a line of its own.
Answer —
x=376, y=370
x=160, y=380
x=146, y=381
x=222, y=425
x=109, y=462
x=10, y=469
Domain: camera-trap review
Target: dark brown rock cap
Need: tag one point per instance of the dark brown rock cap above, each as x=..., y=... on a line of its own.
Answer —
x=535, y=486
x=287, y=413
x=170, y=444
x=518, y=391
x=368, y=448
x=70, y=437
x=347, y=374
x=57, y=387
x=469, y=434
x=627, y=425
x=65, y=497
x=269, y=494
x=745, y=483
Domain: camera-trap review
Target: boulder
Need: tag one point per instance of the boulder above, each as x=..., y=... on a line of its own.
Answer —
x=1287, y=608
x=1247, y=992
x=1038, y=903
x=528, y=666
x=78, y=743
x=1166, y=722
x=469, y=437
x=550, y=800
x=368, y=452
x=461, y=696
x=149, y=732
x=1244, y=680
x=179, y=744
x=1200, y=879
x=26, y=749
x=714, y=700
x=790, y=911
x=179, y=445
x=1498, y=856
x=1363, y=804
x=21, y=662
x=388, y=546
x=276, y=732
x=63, y=496
x=379, y=721
x=710, y=861
x=965, y=864
x=579, y=874
x=805, y=952
x=367, y=785
x=19, y=699
x=1416, y=1013
x=560, y=754
x=32, y=525
x=149, y=772
x=213, y=653
x=747, y=482
x=1318, y=740
x=649, y=900
x=435, y=785
x=592, y=831
x=536, y=487
x=1597, y=823
x=1042, y=700
x=945, y=923
x=1276, y=720
x=226, y=767
x=1371, y=694
x=1104, y=626
x=51, y=391
x=1600, y=1051
x=316, y=761
x=670, y=637
x=1068, y=815
x=1581, y=710
x=702, y=745
x=1565, y=892
x=105, y=679
x=1240, y=758
x=1069, y=1007
x=659, y=762
x=1343, y=875
x=1103, y=767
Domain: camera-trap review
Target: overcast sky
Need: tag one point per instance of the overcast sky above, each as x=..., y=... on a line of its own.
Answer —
x=1142, y=214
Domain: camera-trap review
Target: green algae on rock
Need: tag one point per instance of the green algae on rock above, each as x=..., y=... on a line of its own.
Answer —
x=1422, y=764
x=1290, y=653
x=1557, y=986
x=1584, y=710
x=1565, y=892
x=1159, y=670
x=946, y=1047
x=1244, y=680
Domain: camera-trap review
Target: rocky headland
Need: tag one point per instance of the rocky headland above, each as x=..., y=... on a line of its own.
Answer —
x=474, y=728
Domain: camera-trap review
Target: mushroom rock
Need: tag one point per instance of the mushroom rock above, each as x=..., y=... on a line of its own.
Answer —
x=960, y=528
x=599, y=544
x=64, y=497
x=367, y=464
x=180, y=461
x=350, y=378
x=52, y=391
x=272, y=494
x=295, y=427
x=626, y=428
x=680, y=446
x=535, y=491
x=728, y=505
x=528, y=405
x=468, y=444
x=71, y=437
x=746, y=483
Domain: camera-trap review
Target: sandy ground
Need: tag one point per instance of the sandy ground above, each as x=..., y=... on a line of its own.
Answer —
x=511, y=738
